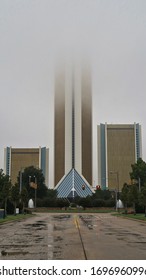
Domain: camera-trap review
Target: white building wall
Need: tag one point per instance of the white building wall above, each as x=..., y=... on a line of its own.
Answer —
x=5, y=160
x=78, y=119
x=140, y=136
x=68, y=119
x=40, y=155
x=135, y=142
x=98, y=156
x=47, y=168
x=106, y=155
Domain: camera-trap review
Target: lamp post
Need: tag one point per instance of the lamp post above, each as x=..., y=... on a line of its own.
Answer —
x=117, y=187
x=20, y=185
x=35, y=190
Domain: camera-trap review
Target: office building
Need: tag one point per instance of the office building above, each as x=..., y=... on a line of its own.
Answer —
x=73, y=130
x=16, y=159
x=119, y=146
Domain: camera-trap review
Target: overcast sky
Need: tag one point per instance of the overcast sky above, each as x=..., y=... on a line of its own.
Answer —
x=112, y=33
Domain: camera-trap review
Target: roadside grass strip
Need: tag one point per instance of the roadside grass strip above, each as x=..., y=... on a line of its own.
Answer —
x=11, y=218
x=139, y=216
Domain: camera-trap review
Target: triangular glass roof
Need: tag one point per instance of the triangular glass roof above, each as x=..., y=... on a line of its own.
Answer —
x=72, y=185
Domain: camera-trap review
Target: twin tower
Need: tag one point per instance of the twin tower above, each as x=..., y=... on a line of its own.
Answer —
x=73, y=130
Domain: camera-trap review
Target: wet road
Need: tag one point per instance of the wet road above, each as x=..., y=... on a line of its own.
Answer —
x=73, y=236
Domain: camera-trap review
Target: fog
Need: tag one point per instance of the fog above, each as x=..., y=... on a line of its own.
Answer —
x=35, y=33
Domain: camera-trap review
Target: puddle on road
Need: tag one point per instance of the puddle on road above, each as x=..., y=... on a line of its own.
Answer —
x=15, y=246
x=21, y=249
x=58, y=238
x=139, y=242
x=87, y=221
x=37, y=226
x=13, y=250
x=61, y=217
x=135, y=244
x=57, y=251
x=124, y=235
x=37, y=240
x=13, y=253
x=56, y=255
x=121, y=239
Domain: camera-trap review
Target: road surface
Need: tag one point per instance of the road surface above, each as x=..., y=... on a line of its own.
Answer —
x=73, y=237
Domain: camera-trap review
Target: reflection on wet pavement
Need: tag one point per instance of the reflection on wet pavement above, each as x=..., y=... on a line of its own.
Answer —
x=56, y=236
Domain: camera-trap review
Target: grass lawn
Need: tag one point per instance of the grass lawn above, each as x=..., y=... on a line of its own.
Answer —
x=10, y=218
x=139, y=216
x=75, y=210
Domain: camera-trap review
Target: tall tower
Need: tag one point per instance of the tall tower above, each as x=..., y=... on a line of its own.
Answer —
x=73, y=123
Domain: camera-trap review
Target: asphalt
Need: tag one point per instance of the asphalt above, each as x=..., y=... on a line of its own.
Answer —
x=59, y=236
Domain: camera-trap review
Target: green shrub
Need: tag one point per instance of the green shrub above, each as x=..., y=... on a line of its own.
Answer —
x=10, y=207
x=110, y=203
x=98, y=203
x=50, y=202
x=61, y=202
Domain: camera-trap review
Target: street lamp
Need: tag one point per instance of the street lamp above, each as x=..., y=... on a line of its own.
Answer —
x=117, y=187
x=20, y=178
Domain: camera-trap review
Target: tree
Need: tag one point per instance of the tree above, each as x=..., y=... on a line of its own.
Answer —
x=5, y=186
x=133, y=195
x=139, y=171
x=98, y=202
x=51, y=193
x=85, y=202
x=102, y=194
x=33, y=175
x=24, y=197
x=51, y=198
x=142, y=197
x=125, y=195
x=15, y=196
x=101, y=198
x=61, y=202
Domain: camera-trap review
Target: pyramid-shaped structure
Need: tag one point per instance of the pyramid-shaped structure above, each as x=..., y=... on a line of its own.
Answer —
x=72, y=185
